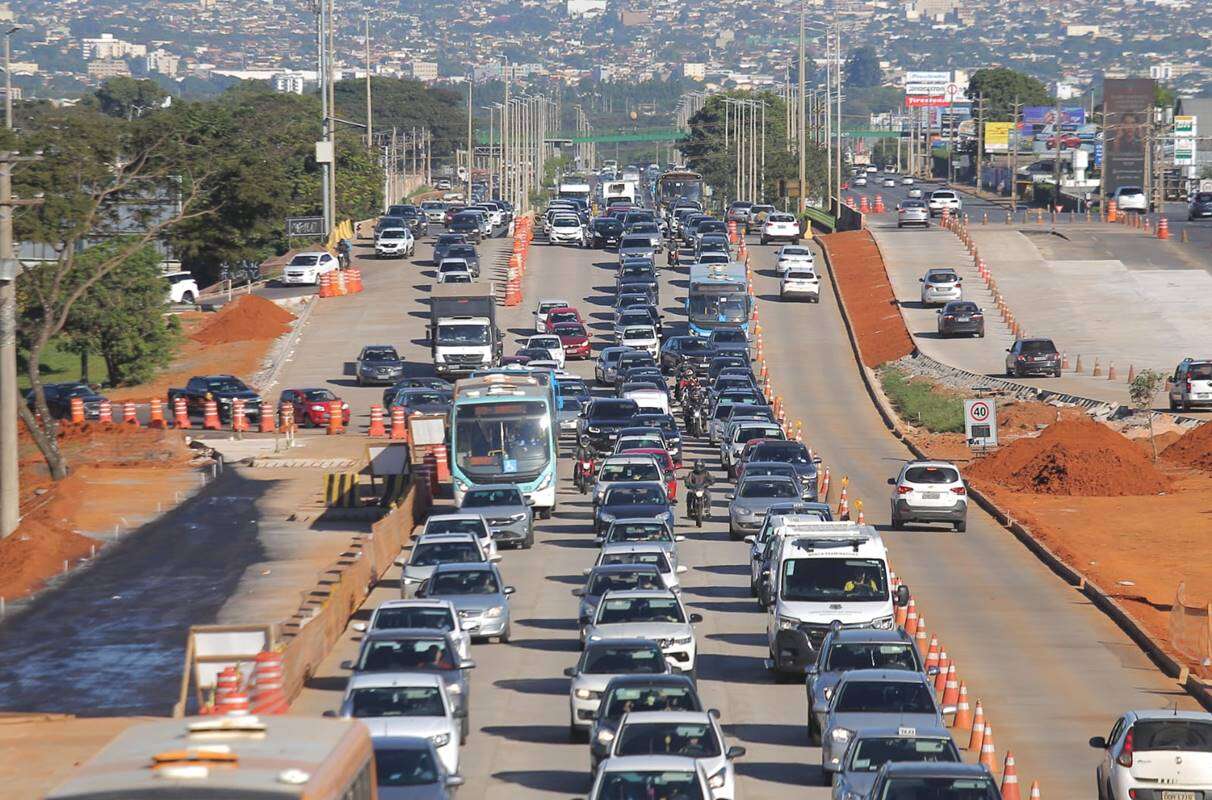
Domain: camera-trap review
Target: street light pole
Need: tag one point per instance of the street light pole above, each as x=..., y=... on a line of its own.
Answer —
x=8, y=78
x=803, y=141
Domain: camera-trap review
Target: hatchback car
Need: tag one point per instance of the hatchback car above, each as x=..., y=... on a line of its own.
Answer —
x=630, y=499
x=543, y=307
x=796, y=454
x=313, y=407
x=781, y=227
x=640, y=337
x=961, y=318
x=1200, y=206
x=944, y=200
x=929, y=491
x=941, y=285
x=601, y=661
x=551, y=343
x=470, y=522
x=1165, y=748
x=406, y=704
x=477, y=592
x=694, y=734
x=609, y=578
x=428, y=553
x=645, y=531
x=1131, y=198
x=306, y=268
x=754, y=495
x=395, y=243
x=912, y=212
x=650, y=554
x=1033, y=357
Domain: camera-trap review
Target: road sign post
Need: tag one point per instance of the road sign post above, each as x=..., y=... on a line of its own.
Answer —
x=980, y=423
x=305, y=226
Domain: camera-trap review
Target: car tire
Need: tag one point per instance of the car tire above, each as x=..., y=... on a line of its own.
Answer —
x=961, y=526
x=575, y=734
x=814, y=734
x=763, y=240
x=188, y=298
x=1056, y=374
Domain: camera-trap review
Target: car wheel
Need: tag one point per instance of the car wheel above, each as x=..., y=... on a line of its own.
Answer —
x=544, y=513
x=188, y=298
x=575, y=734
x=814, y=733
x=1056, y=374
x=961, y=526
x=763, y=240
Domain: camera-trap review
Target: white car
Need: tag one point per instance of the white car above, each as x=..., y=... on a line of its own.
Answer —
x=794, y=255
x=1161, y=754
x=861, y=180
x=651, y=554
x=907, y=181
x=800, y=281
x=1131, y=198
x=182, y=288
x=454, y=270
x=675, y=777
x=916, y=192
x=929, y=491
x=694, y=734
x=872, y=168
x=641, y=337
x=552, y=344
x=944, y=199
x=941, y=285
x=657, y=616
x=890, y=182
x=545, y=304
x=474, y=524
x=395, y=242
x=650, y=400
x=566, y=229
x=405, y=704
x=306, y=268
x=428, y=614
x=781, y=226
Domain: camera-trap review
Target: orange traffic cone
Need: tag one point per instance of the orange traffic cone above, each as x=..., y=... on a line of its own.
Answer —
x=911, y=622
x=1035, y=790
x=922, y=637
x=398, y=428
x=336, y=417
x=901, y=616
x=268, y=696
x=129, y=414
x=963, y=713
x=988, y=749
x=239, y=422
x=940, y=680
x=951, y=688
x=376, y=422
x=978, y=729
x=287, y=411
x=1010, y=779
x=157, y=414
x=210, y=416
x=267, y=421
x=181, y=414
x=77, y=410
x=932, y=653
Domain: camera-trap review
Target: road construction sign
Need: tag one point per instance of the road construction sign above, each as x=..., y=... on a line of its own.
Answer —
x=980, y=422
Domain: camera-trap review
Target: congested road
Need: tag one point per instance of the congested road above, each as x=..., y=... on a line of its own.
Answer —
x=1050, y=669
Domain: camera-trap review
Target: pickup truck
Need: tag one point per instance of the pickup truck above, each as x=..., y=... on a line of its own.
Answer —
x=223, y=389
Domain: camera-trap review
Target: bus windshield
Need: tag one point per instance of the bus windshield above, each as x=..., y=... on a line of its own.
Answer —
x=506, y=439
x=730, y=308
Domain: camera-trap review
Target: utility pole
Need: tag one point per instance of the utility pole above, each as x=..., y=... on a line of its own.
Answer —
x=330, y=62
x=8, y=78
x=506, y=192
x=470, y=144
x=803, y=141
x=1056, y=158
x=322, y=78
x=837, y=54
x=370, y=130
x=1014, y=157
x=980, y=140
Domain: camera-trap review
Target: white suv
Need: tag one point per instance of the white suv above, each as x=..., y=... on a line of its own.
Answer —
x=941, y=285
x=1131, y=198
x=308, y=267
x=944, y=199
x=780, y=226
x=929, y=491
x=182, y=288
x=395, y=242
x=800, y=281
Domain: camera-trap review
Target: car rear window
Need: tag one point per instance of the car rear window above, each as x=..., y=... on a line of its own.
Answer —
x=1203, y=197
x=1188, y=735
x=961, y=308
x=1200, y=372
x=931, y=475
x=1039, y=347
x=942, y=277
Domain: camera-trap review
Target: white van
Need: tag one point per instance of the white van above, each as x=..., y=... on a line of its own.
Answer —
x=826, y=573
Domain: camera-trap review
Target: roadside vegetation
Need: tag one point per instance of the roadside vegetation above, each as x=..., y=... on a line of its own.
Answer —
x=922, y=403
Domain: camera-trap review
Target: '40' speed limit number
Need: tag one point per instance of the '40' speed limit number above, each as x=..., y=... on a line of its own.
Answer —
x=980, y=423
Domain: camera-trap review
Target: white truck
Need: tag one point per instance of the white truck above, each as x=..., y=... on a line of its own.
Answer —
x=575, y=187
x=619, y=192
x=463, y=331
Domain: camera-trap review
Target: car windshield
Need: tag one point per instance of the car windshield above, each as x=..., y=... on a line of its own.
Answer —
x=380, y=354
x=414, y=617
x=319, y=395
x=961, y=308
x=921, y=788
x=789, y=453
x=430, y=554
x=397, y=701
x=748, y=434
x=472, y=525
x=464, y=581
x=462, y=335
x=796, y=251
x=625, y=699
x=654, y=558
x=604, y=659
x=1203, y=197
x=613, y=410
x=406, y=766
x=872, y=752
x=870, y=655
x=931, y=475
x=391, y=655
x=415, y=398
x=573, y=389
x=674, y=785
x=305, y=260
x=637, y=242
x=638, y=333
x=616, y=610
x=562, y=316
x=737, y=337
x=640, y=471
x=570, y=329
x=604, y=582
x=633, y=495
x=763, y=487
x=639, y=532
x=463, y=251
x=1038, y=347
x=891, y=697
x=1187, y=735
x=226, y=385
x=502, y=438
x=825, y=580
x=486, y=498
x=393, y=233
x=566, y=222
x=690, y=739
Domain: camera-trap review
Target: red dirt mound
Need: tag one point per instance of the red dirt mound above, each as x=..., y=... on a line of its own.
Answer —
x=1073, y=457
x=1193, y=449
x=858, y=267
x=249, y=317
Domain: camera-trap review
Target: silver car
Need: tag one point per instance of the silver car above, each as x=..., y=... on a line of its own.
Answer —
x=871, y=748
x=636, y=246
x=754, y=496
x=436, y=615
x=607, y=365
x=651, y=554
x=871, y=698
x=912, y=212
x=624, y=469
x=463, y=522
x=645, y=531
x=509, y=516
x=409, y=768
x=477, y=592
x=612, y=577
x=430, y=551
x=693, y=734
x=941, y=285
x=658, y=616
x=406, y=704
x=675, y=777
x=599, y=663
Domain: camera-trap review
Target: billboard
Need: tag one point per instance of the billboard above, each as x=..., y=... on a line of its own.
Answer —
x=997, y=137
x=924, y=101
x=927, y=83
x=1127, y=105
x=1046, y=115
x=1184, y=141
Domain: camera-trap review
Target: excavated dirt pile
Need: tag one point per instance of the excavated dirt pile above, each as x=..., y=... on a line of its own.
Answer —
x=247, y=318
x=1073, y=457
x=1192, y=449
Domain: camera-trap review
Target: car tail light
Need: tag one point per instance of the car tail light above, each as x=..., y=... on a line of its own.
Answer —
x=1125, y=755
x=904, y=489
x=978, y=316
x=948, y=316
x=1020, y=358
x=958, y=490
x=1188, y=387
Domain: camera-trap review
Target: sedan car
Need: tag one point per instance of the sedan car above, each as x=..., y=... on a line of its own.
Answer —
x=929, y=491
x=961, y=317
x=312, y=407
x=414, y=704
x=691, y=350
x=657, y=616
x=306, y=268
x=796, y=454
x=601, y=661
x=503, y=506
x=1147, y=749
x=912, y=212
x=378, y=363
x=428, y=552
x=635, y=693
x=907, y=180
x=637, y=246
x=871, y=748
x=753, y=497
x=427, y=614
x=781, y=227
x=941, y=285
x=646, y=531
x=1033, y=357
x=549, y=342
x=694, y=734
x=409, y=768
x=729, y=341
x=915, y=192
x=477, y=592
x=423, y=401
x=626, y=500
x=650, y=554
x=612, y=578
x=661, y=777
x=605, y=232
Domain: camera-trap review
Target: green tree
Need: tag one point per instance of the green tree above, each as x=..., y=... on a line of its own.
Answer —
x=1141, y=391
x=1002, y=87
x=862, y=68
x=122, y=318
x=406, y=104
x=129, y=98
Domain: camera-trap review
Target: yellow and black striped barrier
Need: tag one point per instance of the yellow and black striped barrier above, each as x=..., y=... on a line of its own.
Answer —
x=341, y=490
x=394, y=489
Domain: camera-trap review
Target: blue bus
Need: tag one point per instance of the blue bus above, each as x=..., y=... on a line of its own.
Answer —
x=718, y=298
x=504, y=429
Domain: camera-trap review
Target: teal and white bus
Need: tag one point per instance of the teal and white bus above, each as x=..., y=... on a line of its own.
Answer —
x=504, y=430
x=718, y=297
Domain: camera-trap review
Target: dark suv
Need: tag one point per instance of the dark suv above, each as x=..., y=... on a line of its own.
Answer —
x=603, y=419
x=607, y=231
x=961, y=317
x=1033, y=357
x=1200, y=206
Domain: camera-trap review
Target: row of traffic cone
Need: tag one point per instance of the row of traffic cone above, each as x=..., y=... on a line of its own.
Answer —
x=262, y=693
x=523, y=235
x=340, y=282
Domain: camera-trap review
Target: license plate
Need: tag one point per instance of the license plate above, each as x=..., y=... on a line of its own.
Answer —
x=930, y=495
x=1167, y=794
x=963, y=319
x=1202, y=395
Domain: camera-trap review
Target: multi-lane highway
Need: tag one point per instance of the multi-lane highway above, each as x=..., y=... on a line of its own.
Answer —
x=1051, y=670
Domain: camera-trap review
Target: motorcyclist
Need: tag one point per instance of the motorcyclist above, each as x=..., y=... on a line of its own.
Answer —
x=699, y=479
x=584, y=456
x=686, y=379
x=671, y=257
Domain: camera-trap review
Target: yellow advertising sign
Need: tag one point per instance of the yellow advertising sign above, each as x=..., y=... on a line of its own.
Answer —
x=997, y=137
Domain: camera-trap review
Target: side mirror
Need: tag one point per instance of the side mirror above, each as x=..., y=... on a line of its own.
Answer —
x=467, y=663
x=1098, y=742
x=1007, y=349
x=681, y=570
x=714, y=713
x=359, y=626
x=679, y=538
x=734, y=752
x=921, y=280
x=892, y=481
x=940, y=311
x=932, y=671
x=508, y=590
x=529, y=501
x=694, y=618
x=812, y=669
x=751, y=539
x=570, y=672
x=817, y=460
x=949, y=710
x=454, y=780
x=578, y=592
x=401, y=562
x=902, y=595
x=459, y=712
x=330, y=714
x=730, y=496
x=496, y=557
x=349, y=665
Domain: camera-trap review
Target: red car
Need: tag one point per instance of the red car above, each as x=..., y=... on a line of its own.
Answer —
x=451, y=210
x=575, y=339
x=559, y=315
x=665, y=461
x=311, y=406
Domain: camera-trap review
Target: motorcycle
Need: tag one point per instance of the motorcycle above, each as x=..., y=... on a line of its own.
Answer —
x=698, y=420
x=696, y=502
x=582, y=474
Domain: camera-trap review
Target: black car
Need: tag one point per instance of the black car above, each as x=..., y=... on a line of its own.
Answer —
x=630, y=360
x=59, y=399
x=1200, y=206
x=626, y=284
x=694, y=351
x=639, y=297
x=466, y=223
x=604, y=418
x=637, y=266
x=415, y=383
x=386, y=222
x=720, y=363
x=730, y=341
x=444, y=242
x=668, y=426
x=632, y=500
x=379, y=363
x=794, y=453
x=625, y=693
x=961, y=317
x=606, y=232
x=1033, y=357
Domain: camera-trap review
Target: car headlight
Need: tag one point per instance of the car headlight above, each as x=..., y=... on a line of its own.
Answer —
x=883, y=624
x=840, y=735
x=462, y=487
x=744, y=512
x=606, y=517
x=516, y=517
x=593, y=429
x=716, y=781
x=543, y=484
x=494, y=612
x=605, y=736
x=828, y=692
x=788, y=623
x=683, y=640
x=454, y=688
x=585, y=694
x=440, y=740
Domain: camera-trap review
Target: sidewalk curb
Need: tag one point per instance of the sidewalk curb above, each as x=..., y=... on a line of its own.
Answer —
x=1168, y=665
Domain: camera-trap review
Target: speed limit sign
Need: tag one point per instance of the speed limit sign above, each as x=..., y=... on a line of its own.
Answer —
x=980, y=422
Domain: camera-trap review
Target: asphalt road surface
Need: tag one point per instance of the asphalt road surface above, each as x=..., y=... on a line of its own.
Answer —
x=1052, y=671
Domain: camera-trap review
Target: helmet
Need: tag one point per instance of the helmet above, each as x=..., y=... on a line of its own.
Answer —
x=699, y=466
